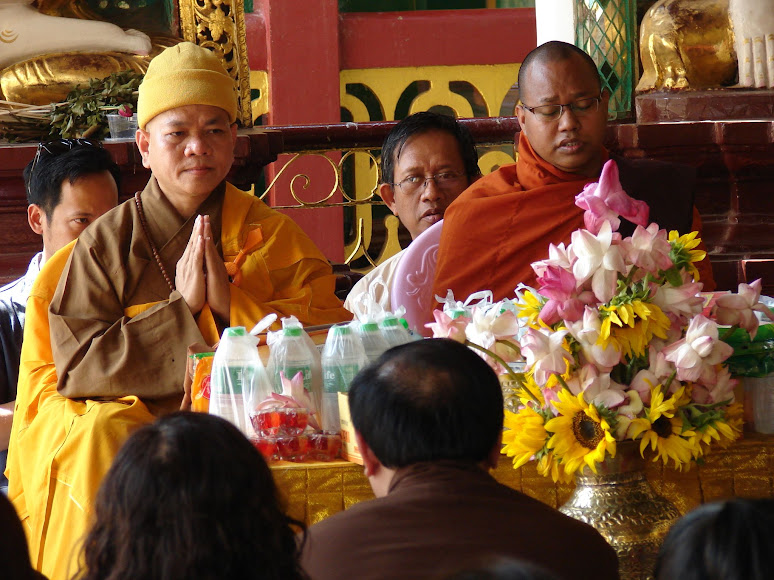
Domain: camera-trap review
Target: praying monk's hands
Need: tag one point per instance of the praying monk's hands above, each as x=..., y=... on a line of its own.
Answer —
x=218, y=288
x=189, y=272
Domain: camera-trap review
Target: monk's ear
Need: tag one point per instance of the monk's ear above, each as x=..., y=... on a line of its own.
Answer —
x=387, y=193
x=521, y=114
x=143, y=145
x=36, y=218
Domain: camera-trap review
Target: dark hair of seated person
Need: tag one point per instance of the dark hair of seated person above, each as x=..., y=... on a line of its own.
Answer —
x=424, y=122
x=727, y=540
x=504, y=569
x=14, y=555
x=44, y=177
x=428, y=400
x=188, y=496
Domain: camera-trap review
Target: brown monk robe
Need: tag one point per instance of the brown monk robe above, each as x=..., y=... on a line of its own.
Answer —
x=124, y=333
x=505, y=221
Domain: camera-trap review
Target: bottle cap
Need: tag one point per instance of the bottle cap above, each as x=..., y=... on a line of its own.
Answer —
x=369, y=327
x=340, y=330
x=292, y=331
x=391, y=321
x=404, y=322
x=235, y=331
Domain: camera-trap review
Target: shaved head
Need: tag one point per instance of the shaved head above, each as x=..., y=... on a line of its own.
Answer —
x=549, y=52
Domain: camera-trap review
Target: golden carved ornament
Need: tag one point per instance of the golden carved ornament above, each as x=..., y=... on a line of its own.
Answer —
x=219, y=25
x=687, y=44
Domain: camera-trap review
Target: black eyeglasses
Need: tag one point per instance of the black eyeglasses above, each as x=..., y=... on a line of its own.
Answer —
x=58, y=147
x=580, y=108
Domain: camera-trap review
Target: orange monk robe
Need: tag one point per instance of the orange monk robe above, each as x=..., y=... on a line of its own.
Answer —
x=506, y=220
x=61, y=447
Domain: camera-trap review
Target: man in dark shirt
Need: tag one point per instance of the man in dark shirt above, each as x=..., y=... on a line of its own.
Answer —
x=428, y=418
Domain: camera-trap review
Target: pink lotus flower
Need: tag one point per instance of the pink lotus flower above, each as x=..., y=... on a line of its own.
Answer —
x=597, y=388
x=700, y=347
x=598, y=259
x=648, y=248
x=557, y=256
x=718, y=389
x=545, y=353
x=558, y=285
x=586, y=332
x=447, y=327
x=656, y=374
x=606, y=200
x=682, y=301
x=293, y=395
x=739, y=309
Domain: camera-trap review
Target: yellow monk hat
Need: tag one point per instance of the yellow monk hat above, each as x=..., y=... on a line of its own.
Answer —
x=185, y=74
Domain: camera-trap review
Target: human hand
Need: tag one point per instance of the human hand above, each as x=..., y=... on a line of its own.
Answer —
x=218, y=286
x=189, y=272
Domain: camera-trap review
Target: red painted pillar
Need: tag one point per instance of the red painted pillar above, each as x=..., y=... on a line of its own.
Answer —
x=302, y=50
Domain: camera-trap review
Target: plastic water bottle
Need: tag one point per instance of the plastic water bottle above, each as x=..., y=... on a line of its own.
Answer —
x=393, y=332
x=238, y=378
x=343, y=356
x=291, y=355
x=372, y=339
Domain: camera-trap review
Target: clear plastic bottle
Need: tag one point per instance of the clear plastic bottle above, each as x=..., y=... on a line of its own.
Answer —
x=238, y=380
x=393, y=331
x=343, y=356
x=372, y=339
x=290, y=354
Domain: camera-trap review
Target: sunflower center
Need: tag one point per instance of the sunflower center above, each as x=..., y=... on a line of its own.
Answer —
x=586, y=431
x=662, y=427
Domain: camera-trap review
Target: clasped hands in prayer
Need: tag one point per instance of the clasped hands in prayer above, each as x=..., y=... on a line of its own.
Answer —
x=200, y=275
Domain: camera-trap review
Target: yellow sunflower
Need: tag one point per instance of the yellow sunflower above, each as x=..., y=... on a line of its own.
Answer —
x=684, y=253
x=580, y=435
x=725, y=430
x=530, y=307
x=524, y=436
x=631, y=326
x=549, y=465
x=664, y=432
x=529, y=391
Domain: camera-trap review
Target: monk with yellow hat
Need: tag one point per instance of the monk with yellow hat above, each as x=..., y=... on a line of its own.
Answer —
x=187, y=257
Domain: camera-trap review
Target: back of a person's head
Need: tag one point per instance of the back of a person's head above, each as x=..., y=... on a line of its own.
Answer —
x=14, y=555
x=504, y=569
x=60, y=161
x=728, y=540
x=428, y=400
x=425, y=122
x=189, y=497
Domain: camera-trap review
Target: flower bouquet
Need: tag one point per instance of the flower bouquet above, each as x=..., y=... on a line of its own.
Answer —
x=618, y=341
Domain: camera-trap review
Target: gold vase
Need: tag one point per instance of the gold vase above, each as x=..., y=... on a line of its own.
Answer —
x=620, y=503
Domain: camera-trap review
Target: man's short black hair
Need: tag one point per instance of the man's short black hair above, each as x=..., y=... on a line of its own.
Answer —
x=44, y=180
x=424, y=122
x=428, y=400
x=554, y=50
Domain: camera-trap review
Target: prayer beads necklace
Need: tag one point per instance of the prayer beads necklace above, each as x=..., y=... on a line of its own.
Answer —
x=138, y=202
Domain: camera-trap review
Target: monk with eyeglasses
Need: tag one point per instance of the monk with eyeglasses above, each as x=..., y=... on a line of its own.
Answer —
x=505, y=221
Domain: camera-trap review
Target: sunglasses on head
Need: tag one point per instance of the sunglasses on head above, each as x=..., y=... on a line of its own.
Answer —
x=58, y=147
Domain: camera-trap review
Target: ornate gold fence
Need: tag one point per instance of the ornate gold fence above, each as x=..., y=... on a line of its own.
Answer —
x=350, y=154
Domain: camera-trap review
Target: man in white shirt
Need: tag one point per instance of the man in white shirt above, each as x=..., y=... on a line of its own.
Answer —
x=70, y=183
x=427, y=161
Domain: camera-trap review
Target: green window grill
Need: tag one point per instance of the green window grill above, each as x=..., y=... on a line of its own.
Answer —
x=606, y=30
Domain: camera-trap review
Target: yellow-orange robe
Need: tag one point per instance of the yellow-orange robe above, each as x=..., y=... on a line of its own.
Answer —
x=130, y=370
